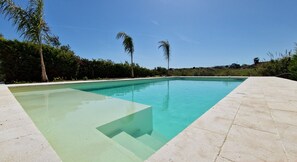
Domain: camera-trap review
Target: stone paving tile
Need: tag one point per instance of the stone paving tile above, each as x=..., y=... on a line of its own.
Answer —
x=222, y=159
x=187, y=148
x=286, y=117
x=27, y=148
x=291, y=151
x=288, y=134
x=20, y=140
x=210, y=119
x=245, y=144
x=286, y=106
x=16, y=131
x=255, y=118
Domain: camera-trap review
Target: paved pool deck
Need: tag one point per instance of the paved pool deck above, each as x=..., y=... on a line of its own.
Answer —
x=20, y=139
x=256, y=122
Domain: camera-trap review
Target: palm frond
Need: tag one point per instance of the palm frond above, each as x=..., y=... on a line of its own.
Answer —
x=29, y=22
x=166, y=49
x=127, y=42
x=121, y=35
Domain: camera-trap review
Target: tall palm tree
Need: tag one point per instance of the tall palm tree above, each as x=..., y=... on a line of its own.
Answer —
x=166, y=48
x=128, y=46
x=30, y=24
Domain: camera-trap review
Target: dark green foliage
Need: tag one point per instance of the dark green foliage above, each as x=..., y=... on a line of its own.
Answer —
x=20, y=62
x=215, y=71
x=256, y=61
x=293, y=68
x=160, y=71
x=235, y=66
x=30, y=25
x=281, y=65
x=277, y=66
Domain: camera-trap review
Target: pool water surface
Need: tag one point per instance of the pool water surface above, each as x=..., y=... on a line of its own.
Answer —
x=119, y=120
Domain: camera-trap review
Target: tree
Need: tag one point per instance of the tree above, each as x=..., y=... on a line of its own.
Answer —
x=256, y=60
x=234, y=66
x=66, y=48
x=1, y=35
x=128, y=46
x=30, y=24
x=166, y=48
x=54, y=41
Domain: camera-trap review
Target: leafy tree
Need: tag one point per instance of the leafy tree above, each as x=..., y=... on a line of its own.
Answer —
x=166, y=48
x=128, y=46
x=256, y=61
x=65, y=47
x=30, y=24
x=160, y=71
x=293, y=67
x=234, y=66
x=1, y=35
x=54, y=41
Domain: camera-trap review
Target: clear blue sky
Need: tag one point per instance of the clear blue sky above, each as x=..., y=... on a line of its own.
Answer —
x=201, y=32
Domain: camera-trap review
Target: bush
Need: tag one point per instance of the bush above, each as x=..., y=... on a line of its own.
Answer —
x=293, y=68
x=20, y=62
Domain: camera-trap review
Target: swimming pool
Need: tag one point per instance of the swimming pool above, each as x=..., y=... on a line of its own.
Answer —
x=119, y=120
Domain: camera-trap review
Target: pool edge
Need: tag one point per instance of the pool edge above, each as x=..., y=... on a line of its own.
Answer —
x=124, y=79
x=234, y=130
x=20, y=139
x=51, y=155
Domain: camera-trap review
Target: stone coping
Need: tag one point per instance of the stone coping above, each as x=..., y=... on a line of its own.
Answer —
x=125, y=79
x=20, y=139
x=255, y=122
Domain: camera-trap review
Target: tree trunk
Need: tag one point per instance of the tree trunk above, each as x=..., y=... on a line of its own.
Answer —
x=43, y=71
x=132, y=71
x=168, y=67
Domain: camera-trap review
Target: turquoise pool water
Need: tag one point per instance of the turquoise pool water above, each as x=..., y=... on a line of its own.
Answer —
x=123, y=121
x=175, y=103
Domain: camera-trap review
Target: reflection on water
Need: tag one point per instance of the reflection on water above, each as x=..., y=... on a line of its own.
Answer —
x=70, y=115
x=136, y=124
x=175, y=103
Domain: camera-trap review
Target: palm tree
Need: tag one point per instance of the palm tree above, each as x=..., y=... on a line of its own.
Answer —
x=128, y=46
x=30, y=24
x=256, y=60
x=166, y=48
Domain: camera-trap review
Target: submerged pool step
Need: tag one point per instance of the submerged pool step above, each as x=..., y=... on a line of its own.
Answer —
x=132, y=144
x=150, y=141
x=159, y=136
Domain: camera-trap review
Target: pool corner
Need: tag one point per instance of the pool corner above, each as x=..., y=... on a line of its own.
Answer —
x=20, y=140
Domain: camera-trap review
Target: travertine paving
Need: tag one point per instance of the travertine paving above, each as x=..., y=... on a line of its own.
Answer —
x=20, y=140
x=255, y=122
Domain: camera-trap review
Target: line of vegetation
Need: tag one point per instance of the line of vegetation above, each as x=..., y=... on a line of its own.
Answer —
x=281, y=65
x=19, y=62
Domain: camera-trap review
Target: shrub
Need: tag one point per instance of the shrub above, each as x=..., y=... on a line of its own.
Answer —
x=19, y=62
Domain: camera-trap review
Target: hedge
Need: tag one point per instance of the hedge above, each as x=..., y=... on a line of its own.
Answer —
x=20, y=62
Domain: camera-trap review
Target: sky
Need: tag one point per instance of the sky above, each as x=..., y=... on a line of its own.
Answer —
x=202, y=33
